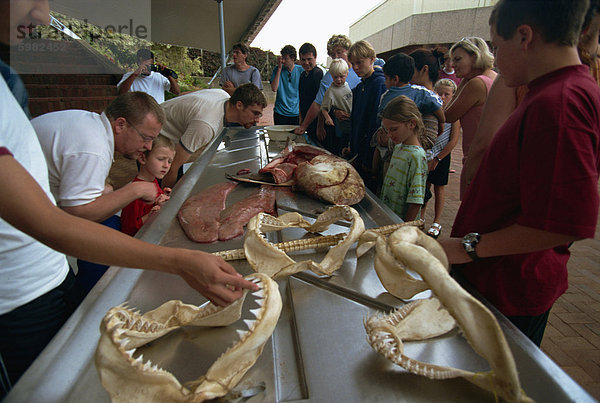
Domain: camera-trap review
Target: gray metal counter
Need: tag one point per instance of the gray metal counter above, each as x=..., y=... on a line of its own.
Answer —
x=318, y=351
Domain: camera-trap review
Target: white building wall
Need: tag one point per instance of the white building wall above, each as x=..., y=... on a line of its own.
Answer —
x=397, y=23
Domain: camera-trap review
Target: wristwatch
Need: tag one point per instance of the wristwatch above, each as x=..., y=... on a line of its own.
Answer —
x=469, y=242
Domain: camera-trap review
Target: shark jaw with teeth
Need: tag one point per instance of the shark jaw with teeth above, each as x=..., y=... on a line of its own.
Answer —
x=135, y=379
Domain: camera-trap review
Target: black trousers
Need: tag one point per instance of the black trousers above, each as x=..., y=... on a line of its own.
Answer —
x=285, y=120
x=26, y=330
x=532, y=326
x=89, y=273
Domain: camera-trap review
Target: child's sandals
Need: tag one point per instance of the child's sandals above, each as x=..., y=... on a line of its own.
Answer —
x=434, y=230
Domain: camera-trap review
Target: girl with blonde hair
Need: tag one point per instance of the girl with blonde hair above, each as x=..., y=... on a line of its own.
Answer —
x=403, y=187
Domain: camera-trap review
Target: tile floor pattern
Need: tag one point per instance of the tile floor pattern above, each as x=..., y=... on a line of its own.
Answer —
x=572, y=338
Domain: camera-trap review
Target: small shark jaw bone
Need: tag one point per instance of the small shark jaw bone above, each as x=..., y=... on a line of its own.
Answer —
x=129, y=379
x=422, y=319
x=264, y=257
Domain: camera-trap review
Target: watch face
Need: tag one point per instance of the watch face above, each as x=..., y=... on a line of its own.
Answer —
x=472, y=237
x=470, y=241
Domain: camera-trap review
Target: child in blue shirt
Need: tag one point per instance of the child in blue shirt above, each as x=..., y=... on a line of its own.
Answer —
x=365, y=103
x=398, y=71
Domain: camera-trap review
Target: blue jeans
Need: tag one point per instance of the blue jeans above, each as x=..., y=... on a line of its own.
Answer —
x=89, y=273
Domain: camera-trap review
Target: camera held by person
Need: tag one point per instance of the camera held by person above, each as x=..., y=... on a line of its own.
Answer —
x=143, y=79
x=165, y=71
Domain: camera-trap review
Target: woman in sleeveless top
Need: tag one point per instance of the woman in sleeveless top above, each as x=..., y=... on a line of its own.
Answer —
x=473, y=62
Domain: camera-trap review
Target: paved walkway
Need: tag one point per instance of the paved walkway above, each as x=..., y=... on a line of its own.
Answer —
x=572, y=338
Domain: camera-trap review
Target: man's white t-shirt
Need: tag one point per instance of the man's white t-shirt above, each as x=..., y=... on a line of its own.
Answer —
x=155, y=85
x=28, y=268
x=194, y=119
x=79, y=149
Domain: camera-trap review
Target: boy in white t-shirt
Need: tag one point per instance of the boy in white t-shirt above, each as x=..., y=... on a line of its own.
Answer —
x=338, y=97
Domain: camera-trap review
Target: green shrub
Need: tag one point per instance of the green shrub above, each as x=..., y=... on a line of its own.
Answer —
x=195, y=67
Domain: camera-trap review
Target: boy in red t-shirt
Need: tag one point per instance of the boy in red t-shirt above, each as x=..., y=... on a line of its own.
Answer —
x=536, y=190
x=154, y=164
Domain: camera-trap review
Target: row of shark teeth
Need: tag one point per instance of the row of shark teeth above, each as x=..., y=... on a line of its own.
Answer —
x=383, y=342
x=381, y=339
x=268, y=219
x=126, y=319
x=388, y=345
x=393, y=318
x=137, y=323
x=260, y=298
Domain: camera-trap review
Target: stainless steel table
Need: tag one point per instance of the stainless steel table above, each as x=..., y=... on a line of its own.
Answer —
x=318, y=351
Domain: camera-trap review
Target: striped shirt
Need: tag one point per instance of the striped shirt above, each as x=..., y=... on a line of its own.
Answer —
x=441, y=141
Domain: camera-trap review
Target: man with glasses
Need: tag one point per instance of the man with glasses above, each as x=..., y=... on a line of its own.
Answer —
x=193, y=120
x=79, y=148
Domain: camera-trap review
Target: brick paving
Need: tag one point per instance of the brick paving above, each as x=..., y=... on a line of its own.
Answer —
x=572, y=338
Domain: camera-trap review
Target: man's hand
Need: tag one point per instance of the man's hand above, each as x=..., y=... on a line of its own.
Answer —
x=382, y=137
x=229, y=87
x=279, y=62
x=299, y=130
x=341, y=115
x=329, y=121
x=432, y=164
x=214, y=278
x=143, y=68
x=145, y=191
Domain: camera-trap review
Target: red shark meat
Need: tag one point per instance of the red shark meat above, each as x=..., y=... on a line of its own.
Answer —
x=199, y=215
x=234, y=217
x=282, y=168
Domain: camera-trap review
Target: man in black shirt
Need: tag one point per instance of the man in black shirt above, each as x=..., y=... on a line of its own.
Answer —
x=309, y=84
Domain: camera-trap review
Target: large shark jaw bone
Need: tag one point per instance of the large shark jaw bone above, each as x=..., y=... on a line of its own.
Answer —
x=410, y=247
x=128, y=379
x=265, y=257
x=393, y=273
